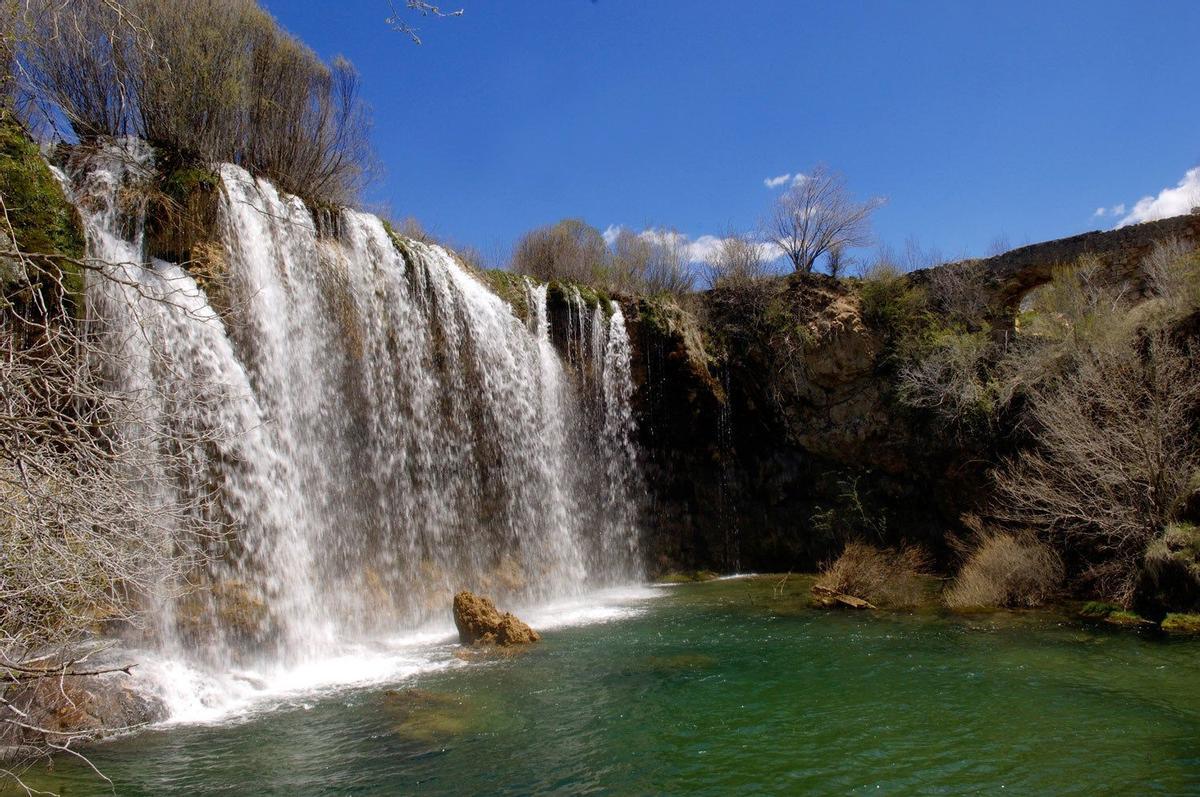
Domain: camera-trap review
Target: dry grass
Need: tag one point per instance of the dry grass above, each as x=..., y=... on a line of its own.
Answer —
x=1006, y=570
x=883, y=576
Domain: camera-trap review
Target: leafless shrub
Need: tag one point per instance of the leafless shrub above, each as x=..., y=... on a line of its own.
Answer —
x=957, y=291
x=911, y=257
x=1115, y=449
x=883, y=576
x=1172, y=273
x=998, y=246
x=1077, y=312
x=951, y=378
x=1079, y=303
x=1005, y=570
x=816, y=216
x=411, y=227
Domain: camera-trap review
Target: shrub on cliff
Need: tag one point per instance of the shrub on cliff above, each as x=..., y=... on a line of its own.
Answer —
x=882, y=576
x=893, y=306
x=218, y=80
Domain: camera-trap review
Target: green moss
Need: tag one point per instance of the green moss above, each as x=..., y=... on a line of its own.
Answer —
x=687, y=576
x=1112, y=614
x=45, y=224
x=1097, y=610
x=183, y=182
x=511, y=288
x=1122, y=617
x=1181, y=624
x=559, y=293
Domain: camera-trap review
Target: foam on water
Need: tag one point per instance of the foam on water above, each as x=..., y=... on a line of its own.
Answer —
x=199, y=695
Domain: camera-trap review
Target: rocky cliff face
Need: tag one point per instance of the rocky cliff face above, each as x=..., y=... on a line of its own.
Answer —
x=770, y=428
x=771, y=421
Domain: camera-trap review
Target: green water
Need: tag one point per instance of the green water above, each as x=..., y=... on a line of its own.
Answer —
x=725, y=688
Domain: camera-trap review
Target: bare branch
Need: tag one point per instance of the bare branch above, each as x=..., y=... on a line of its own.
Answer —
x=398, y=23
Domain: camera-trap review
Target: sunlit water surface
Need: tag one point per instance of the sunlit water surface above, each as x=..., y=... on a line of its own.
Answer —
x=731, y=687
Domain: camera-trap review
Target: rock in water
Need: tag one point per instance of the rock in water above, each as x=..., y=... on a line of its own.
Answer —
x=479, y=621
x=77, y=708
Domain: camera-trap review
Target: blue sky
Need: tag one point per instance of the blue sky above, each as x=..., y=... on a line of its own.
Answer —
x=975, y=120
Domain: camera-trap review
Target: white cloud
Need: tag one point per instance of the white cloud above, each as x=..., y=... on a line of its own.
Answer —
x=784, y=179
x=1169, y=202
x=1117, y=210
x=702, y=249
x=1100, y=211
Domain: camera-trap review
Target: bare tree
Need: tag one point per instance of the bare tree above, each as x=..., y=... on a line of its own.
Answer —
x=817, y=215
x=569, y=250
x=1172, y=273
x=738, y=258
x=951, y=378
x=215, y=80
x=670, y=268
x=630, y=255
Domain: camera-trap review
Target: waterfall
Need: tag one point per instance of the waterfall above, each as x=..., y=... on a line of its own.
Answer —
x=373, y=425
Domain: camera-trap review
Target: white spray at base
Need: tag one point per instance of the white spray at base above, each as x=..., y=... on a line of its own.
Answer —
x=375, y=427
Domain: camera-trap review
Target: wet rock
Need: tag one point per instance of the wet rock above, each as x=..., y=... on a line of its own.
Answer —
x=479, y=621
x=77, y=708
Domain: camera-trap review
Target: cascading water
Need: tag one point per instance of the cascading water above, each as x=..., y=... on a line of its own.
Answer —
x=379, y=429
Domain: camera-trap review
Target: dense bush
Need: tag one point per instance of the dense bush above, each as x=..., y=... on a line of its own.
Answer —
x=1006, y=570
x=215, y=79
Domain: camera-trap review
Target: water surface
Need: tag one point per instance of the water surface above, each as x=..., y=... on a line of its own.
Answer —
x=722, y=688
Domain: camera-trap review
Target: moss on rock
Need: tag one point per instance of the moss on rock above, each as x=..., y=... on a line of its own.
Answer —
x=1181, y=623
x=46, y=226
x=511, y=288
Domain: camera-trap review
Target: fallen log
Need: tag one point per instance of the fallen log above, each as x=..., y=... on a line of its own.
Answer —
x=830, y=598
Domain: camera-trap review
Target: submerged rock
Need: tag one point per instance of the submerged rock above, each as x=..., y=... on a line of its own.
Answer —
x=479, y=621
x=429, y=717
x=62, y=710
